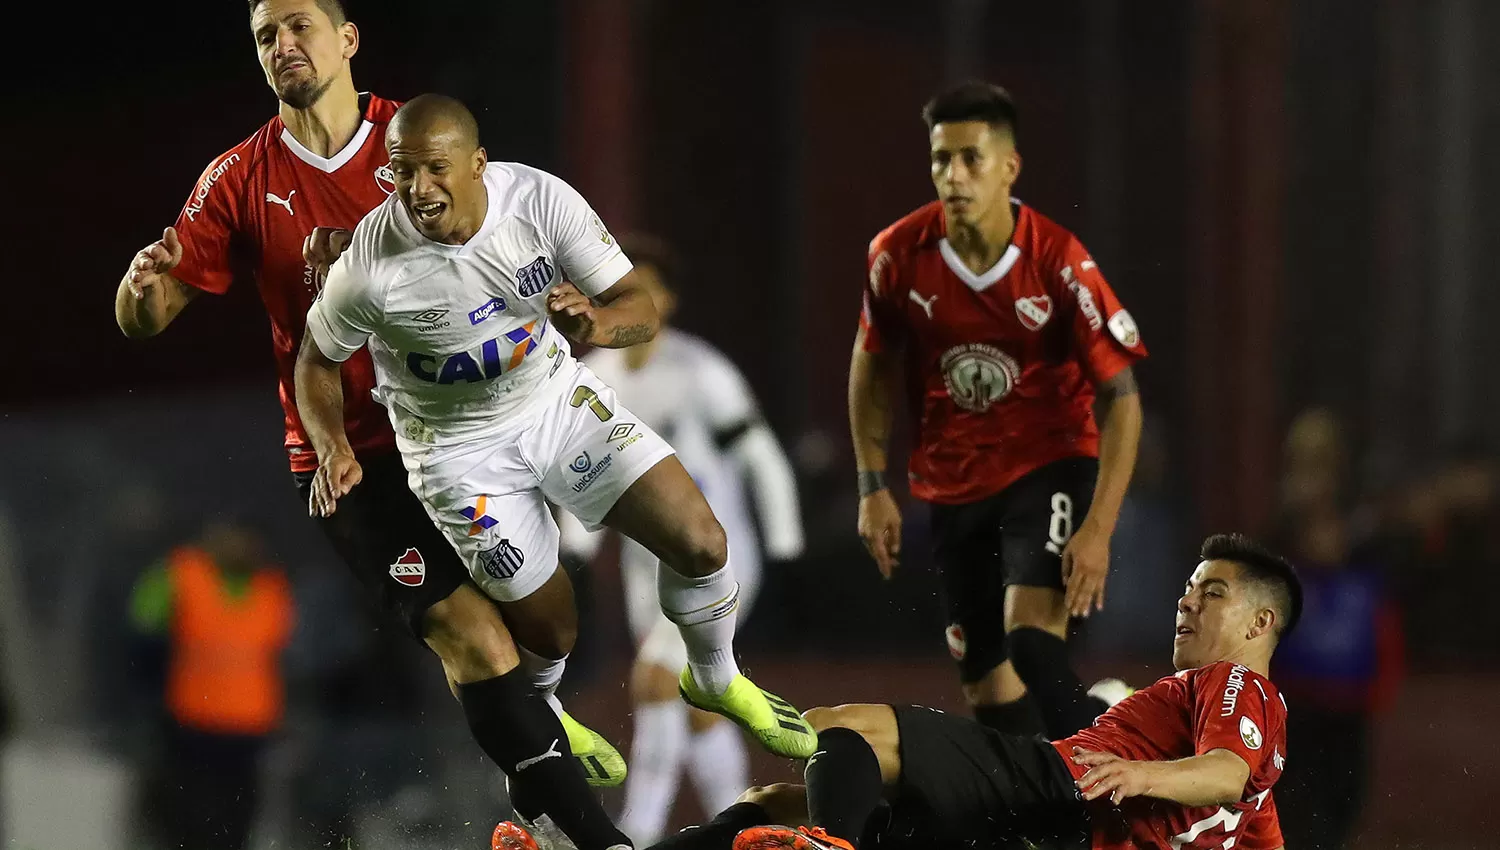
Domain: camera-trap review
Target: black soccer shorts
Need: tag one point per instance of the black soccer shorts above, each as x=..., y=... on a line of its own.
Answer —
x=985, y=788
x=383, y=533
x=1015, y=537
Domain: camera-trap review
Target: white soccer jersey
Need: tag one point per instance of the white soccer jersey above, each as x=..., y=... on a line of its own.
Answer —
x=459, y=333
x=690, y=394
x=693, y=396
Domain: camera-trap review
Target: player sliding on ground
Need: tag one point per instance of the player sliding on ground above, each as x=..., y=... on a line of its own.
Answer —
x=456, y=286
x=1186, y=764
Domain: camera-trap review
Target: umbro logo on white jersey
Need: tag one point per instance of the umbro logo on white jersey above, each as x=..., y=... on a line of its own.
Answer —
x=287, y=202
x=926, y=305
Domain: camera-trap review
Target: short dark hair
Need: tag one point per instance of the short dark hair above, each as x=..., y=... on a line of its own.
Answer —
x=973, y=101
x=427, y=112
x=334, y=9
x=1264, y=568
x=646, y=249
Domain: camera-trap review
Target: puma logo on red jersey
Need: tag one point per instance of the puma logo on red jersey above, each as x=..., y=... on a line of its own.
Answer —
x=925, y=305
x=284, y=202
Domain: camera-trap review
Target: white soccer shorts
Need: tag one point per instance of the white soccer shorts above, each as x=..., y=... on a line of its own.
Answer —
x=579, y=448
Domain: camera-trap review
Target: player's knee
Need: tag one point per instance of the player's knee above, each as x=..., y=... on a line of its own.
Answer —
x=466, y=632
x=862, y=719
x=705, y=547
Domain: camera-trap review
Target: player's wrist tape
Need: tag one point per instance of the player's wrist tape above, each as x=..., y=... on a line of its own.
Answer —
x=871, y=481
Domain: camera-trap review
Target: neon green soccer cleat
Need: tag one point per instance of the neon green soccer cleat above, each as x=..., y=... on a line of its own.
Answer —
x=602, y=764
x=769, y=718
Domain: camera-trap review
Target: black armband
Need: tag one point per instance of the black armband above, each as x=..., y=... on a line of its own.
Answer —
x=871, y=481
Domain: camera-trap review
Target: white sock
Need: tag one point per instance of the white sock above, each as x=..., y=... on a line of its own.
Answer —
x=545, y=675
x=718, y=766
x=656, y=751
x=704, y=610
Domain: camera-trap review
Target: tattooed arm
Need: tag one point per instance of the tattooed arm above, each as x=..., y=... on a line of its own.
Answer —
x=620, y=316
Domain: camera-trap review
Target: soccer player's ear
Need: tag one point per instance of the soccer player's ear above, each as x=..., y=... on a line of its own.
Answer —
x=1265, y=620
x=350, y=33
x=480, y=160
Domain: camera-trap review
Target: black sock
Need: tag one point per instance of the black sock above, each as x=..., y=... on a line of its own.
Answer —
x=1018, y=717
x=843, y=784
x=717, y=834
x=516, y=729
x=1041, y=660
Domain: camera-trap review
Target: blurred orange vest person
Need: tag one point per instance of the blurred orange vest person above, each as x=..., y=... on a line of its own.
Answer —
x=225, y=672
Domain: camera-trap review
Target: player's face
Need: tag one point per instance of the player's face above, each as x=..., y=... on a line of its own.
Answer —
x=1216, y=616
x=973, y=167
x=301, y=51
x=440, y=181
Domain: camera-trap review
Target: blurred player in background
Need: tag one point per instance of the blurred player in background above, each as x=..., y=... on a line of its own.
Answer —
x=690, y=393
x=1005, y=332
x=322, y=162
x=457, y=286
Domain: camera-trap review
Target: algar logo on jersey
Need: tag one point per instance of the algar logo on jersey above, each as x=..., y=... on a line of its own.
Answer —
x=485, y=364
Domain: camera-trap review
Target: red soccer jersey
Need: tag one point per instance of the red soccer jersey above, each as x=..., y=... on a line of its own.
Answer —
x=1220, y=706
x=1000, y=367
x=251, y=211
x=1263, y=831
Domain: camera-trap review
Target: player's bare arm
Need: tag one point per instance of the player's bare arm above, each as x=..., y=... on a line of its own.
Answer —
x=619, y=317
x=1215, y=778
x=149, y=297
x=872, y=385
x=1086, y=558
x=320, y=403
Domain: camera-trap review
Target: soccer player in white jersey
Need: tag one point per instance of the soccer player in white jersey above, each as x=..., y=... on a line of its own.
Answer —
x=690, y=393
x=455, y=284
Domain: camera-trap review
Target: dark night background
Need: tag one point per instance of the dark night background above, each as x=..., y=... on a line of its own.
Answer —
x=1290, y=196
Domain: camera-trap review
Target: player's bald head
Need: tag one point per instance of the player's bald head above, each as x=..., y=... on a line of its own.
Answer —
x=431, y=115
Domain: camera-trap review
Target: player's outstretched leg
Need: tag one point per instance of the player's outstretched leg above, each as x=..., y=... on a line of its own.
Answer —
x=510, y=720
x=602, y=764
x=547, y=619
x=664, y=511
x=858, y=756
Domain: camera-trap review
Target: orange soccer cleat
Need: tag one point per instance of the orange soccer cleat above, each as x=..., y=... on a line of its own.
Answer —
x=510, y=836
x=786, y=838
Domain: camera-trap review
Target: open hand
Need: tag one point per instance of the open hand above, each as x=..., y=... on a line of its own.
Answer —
x=1111, y=776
